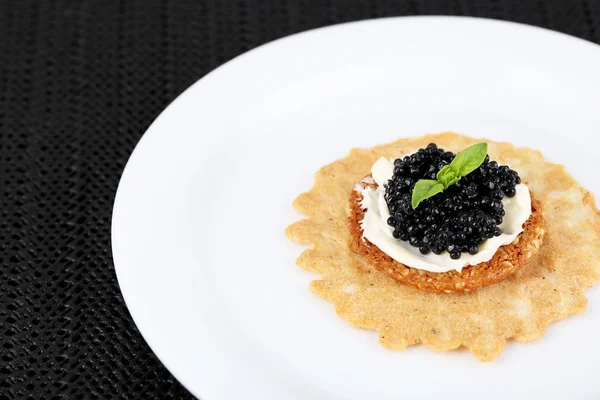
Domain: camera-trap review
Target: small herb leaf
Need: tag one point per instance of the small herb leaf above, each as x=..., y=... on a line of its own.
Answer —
x=451, y=182
x=424, y=189
x=463, y=164
x=469, y=159
x=445, y=175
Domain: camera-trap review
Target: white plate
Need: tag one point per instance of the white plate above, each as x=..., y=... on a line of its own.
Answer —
x=198, y=241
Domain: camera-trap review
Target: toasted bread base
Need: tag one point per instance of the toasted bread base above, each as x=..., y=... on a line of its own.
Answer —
x=505, y=262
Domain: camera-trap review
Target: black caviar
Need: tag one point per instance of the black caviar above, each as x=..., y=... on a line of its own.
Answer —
x=456, y=220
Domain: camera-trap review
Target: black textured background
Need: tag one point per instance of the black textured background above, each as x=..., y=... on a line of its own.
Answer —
x=80, y=81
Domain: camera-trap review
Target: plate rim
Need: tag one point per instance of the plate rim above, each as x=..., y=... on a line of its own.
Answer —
x=161, y=351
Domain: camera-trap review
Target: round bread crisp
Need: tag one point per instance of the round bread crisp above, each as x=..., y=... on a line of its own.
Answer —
x=505, y=262
x=521, y=306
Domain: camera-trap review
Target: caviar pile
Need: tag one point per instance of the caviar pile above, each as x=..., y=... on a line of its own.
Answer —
x=456, y=220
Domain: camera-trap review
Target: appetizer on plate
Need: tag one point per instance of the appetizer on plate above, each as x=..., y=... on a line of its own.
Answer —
x=445, y=222
x=449, y=241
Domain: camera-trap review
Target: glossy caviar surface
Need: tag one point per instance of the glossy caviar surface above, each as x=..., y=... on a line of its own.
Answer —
x=457, y=220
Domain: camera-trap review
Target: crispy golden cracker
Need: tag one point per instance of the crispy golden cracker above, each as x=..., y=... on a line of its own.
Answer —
x=507, y=260
x=547, y=289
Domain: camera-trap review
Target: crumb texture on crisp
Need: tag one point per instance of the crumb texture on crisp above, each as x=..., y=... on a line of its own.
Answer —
x=505, y=262
x=548, y=288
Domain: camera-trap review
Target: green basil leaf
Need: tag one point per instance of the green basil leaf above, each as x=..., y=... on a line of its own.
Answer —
x=445, y=175
x=463, y=164
x=451, y=182
x=424, y=189
x=469, y=159
x=445, y=169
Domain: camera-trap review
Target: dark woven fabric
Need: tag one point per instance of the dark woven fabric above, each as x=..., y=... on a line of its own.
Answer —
x=80, y=81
